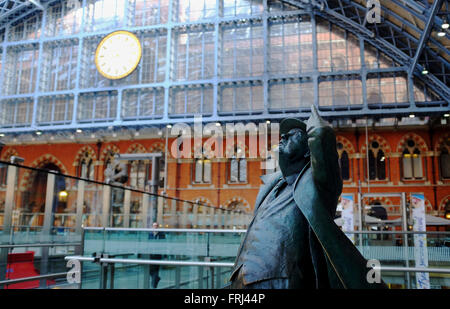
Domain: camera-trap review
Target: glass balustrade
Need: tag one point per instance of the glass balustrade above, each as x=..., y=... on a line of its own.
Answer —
x=56, y=217
x=44, y=212
x=128, y=249
x=173, y=247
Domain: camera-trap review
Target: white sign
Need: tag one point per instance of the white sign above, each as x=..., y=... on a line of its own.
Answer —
x=420, y=240
x=348, y=224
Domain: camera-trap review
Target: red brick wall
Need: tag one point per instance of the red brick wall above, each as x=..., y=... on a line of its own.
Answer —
x=220, y=192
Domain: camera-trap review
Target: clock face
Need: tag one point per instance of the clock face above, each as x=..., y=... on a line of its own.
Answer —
x=118, y=54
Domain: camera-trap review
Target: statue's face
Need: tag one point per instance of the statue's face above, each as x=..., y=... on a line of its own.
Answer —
x=293, y=145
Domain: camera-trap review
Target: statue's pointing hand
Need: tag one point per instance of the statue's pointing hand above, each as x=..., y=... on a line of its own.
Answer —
x=315, y=121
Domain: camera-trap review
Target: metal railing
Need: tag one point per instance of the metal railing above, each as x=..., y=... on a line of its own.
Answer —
x=207, y=248
x=41, y=245
x=6, y=283
x=106, y=263
x=88, y=203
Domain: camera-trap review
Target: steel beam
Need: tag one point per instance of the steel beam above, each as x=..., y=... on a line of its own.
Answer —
x=38, y=4
x=425, y=34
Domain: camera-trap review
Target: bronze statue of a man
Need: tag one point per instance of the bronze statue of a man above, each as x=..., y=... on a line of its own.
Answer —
x=292, y=241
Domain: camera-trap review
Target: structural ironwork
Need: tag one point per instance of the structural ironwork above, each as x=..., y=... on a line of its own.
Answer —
x=226, y=60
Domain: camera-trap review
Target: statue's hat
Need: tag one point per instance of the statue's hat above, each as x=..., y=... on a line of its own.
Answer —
x=291, y=123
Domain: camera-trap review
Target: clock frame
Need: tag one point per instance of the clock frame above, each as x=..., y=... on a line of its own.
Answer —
x=112, y=54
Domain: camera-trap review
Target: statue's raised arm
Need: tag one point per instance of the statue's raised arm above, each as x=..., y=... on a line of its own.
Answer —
x=316, y=194
x=324, y=156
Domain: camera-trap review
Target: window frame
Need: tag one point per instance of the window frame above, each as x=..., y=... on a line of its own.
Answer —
x=411, y=151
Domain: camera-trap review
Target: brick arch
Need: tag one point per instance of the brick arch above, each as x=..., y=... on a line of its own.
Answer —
x=136, y=148
x=240, y=200
x=383, y=200
x=110, y=148
x=381, y=140
x=442, y=204
x=82, y=151
x=26, y=181
x=440, y=142
x=348, y=146
x=9, y=153
x=420, y=142
x=157, y=147
x=202, y=200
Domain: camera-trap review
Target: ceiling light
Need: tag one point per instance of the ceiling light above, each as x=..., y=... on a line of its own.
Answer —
x=411, y=116
x=445, y=25
x=38, y=132
x=424, y=71
x=441, y=33
x=79, y=130
x=217, y=124
x=2, y=134
x=169, y=126
x=268, y=121
x=445, y=115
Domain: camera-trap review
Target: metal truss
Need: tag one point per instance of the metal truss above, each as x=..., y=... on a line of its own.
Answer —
x=11, y=10
x=411, y=55
x=390, y=38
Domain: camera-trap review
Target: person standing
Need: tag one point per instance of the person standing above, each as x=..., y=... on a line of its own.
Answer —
x=154, y=269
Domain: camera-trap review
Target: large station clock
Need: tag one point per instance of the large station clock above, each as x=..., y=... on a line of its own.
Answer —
x=118, y=54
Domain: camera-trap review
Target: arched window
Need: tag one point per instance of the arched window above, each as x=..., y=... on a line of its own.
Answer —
x=412, y=161
x=344, y=162
x=138, y=170
x=237, y=167
x=202, y=170
x=138, y=174
x=236, y=206
x=377, y=162
x=86, y=167
x=109, y=158
x=444, y=159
